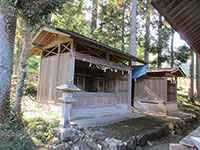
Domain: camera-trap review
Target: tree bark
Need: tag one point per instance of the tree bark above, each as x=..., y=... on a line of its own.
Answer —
x=191, y=93
x=132, y=46
x=198, y=75
x=147, y=31
x=159, y=42
x=94, y=14
x=123, y=25
x=172, y=48
x=27, y=41
x=7, y=39
x=133, y=29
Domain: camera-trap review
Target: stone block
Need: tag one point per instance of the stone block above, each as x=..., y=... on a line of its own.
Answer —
x=70, y=134
x=114, y=144
x=180, y=147
x=132, y=143
x=59, y=147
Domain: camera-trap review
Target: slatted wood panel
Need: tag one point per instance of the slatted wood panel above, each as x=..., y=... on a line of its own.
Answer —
x=152, y=90
x=99, y=99
x=48, y=79
x=65, y=70
x=55, y=70
x=171, y=92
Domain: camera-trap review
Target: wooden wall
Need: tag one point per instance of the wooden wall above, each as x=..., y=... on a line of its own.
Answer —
x=54, y=71
x=57, y=69
x=101, y=99
x=151, y=90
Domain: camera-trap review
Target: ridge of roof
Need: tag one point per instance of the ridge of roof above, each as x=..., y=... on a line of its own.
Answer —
x=93, y=41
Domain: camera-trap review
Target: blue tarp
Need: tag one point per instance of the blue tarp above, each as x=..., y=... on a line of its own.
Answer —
x=139, y=71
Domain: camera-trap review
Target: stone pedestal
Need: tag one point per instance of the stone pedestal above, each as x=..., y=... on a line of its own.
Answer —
x=68, y=90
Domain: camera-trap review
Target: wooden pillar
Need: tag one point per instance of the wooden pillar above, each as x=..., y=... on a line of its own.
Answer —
x=191, y=89
x=72, y=61
x=198, y=75
x=130, y=85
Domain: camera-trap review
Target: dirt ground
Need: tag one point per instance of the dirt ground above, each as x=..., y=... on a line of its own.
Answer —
x=163, y=143
x=132, y=127
x=126, y=129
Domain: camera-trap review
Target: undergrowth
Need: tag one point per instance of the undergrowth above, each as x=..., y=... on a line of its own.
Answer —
x=25, y=134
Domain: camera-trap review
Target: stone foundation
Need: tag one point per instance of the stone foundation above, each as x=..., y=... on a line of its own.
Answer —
x=75, y=138
x=158, y=108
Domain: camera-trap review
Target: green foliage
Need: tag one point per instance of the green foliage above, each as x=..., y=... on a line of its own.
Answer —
x=7, y=3
x=71, y=17
x=31, y=90
x=17, y=134
x=41, y=130
x=35, y=11
x=182, y=55
x=75, y=16
x=111, y=25
x=33, y=64
x=13, y=135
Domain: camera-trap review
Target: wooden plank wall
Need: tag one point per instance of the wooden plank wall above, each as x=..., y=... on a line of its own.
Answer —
x=48, y=79
x=54, y=72
x=101, y=99
x=152, y=90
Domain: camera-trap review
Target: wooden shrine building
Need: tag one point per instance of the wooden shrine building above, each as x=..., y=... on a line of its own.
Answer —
x=156, y=90
x=100, y=71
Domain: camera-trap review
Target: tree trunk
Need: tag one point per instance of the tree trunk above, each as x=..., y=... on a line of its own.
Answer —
x=132, y=47
x=17, y=56
x=172, y=49
x=27, y=41
x=94, y=15
x=123, y=25
x=191, y=93
x=159, y=41
x=198, y=75
x=133, y=29
x=7, y=39
x=147, y=29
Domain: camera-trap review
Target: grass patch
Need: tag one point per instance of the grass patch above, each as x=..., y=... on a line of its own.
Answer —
x=186, y=104
x=26, y=134
x=13, y=136
x=40, y=130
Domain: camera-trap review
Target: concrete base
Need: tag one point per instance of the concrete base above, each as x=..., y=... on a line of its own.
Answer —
x=158, y=108
x=85, y=117
x=90, y=117
x=188, y=140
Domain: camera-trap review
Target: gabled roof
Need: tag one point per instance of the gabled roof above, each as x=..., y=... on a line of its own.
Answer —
x=184, y=17
x=166, y=72
x=52, y=32
x=143, y=72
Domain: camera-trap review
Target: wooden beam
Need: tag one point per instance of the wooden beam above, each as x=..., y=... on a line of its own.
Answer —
x=50, y=30
x=119, y=54
x=192, y=31
x=187, y=12
x=65, y=47
x=51, y=51
x=179, y=8
x=56, y=42
x=189, y=24
x=94, y=52
x=98, y=61
x=171, y=5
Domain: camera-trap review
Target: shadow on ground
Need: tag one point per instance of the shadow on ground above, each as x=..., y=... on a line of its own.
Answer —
x=25, y=134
